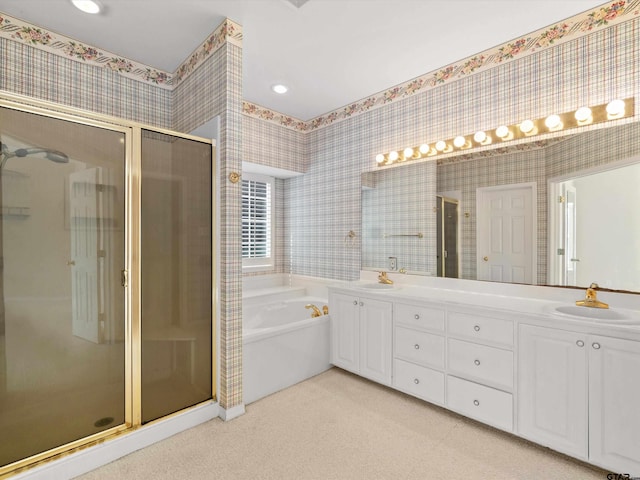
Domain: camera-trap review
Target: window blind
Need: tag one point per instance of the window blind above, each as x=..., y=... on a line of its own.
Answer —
x=256, y=219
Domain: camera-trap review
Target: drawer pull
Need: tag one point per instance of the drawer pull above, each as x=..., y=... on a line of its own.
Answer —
x=416, y=381
x=476, y=403
x=477, y=362
x=580, y=343
x=416, y=316
x=416, y=346
x=477, y=328
x=596, y=345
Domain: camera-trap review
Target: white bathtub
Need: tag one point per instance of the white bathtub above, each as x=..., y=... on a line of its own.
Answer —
x=282, y=344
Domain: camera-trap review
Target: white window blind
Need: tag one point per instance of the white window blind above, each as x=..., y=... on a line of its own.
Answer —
x=256, y=220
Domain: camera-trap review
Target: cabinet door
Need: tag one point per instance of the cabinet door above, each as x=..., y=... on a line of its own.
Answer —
x=375, y=340
x=345, y=337
x=552, y=389
x=614, y=399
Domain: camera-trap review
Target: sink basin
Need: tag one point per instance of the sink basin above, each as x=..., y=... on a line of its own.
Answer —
x=595, y=314
x=377, y=286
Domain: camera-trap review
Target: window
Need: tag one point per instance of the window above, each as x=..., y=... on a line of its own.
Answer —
x=257, y=244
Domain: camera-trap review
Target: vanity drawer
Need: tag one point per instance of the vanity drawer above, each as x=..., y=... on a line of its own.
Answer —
x=483, y=403
x=419, y=347
x=418, y=381
x=419, y=316
x=490, y=364
x=481, y=328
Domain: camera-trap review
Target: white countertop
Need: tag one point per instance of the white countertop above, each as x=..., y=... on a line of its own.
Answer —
x=537, y=303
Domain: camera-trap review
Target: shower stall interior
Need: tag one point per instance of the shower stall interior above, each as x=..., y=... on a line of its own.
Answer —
x=106, y=278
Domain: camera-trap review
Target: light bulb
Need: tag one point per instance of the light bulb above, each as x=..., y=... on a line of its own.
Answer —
x=527, y=126
x=424, y=149
x=459, y=141
x=393, y=156
x=380, y=158
x=553, y=122
x=441, y=145
x=408, y=153
x=503, y=132
x=615, y=108
x=583, y=115
x=480, y=136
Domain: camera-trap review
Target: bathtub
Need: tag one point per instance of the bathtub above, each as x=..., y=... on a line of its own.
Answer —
x=282, y=344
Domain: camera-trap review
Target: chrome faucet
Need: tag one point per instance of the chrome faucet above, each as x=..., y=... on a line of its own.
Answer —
x=316, y=311
x=591, y=298
x=382, y=278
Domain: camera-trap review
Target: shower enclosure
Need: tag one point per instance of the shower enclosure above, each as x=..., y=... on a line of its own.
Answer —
x=106, y=278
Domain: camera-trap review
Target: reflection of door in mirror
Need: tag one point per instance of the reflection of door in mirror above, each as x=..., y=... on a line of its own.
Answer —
x=596, y=239
x=447, y=237
x=506, y=233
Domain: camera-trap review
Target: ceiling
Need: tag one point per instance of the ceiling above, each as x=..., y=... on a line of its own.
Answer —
x=328, y=52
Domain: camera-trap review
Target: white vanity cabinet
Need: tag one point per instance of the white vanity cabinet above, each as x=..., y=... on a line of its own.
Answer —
x=480, y=367
x=361, y=333
x=580, y=394
x=419, y=351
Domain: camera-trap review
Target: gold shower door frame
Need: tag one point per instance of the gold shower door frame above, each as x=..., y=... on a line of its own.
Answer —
x=132, y=273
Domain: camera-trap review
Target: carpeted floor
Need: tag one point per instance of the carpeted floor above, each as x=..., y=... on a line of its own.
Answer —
x=340, y=426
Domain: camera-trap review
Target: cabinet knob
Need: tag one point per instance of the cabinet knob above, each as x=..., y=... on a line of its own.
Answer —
x=361, y=304
x=416, y=381
x=476, y=403
x=476, y=328
x=580, y=343
x=355, y=302
x=416, y=346
x=477, y=362
x=416, y=316
x=596, y=345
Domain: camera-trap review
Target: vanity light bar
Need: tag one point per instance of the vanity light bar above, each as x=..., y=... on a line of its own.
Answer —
x=583, y=116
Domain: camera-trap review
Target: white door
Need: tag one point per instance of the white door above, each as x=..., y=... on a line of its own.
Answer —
x=614, y=387
x=85, y=208
x=375, y=340
x=552, y=389
x=506, y=233
x=345, y=337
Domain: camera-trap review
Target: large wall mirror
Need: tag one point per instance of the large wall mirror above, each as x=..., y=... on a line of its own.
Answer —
x=562, y=212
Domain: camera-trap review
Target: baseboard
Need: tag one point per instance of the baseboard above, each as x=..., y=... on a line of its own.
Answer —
x=91, y=458
x=227, y=414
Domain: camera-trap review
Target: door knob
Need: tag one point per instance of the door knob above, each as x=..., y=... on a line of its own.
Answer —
x=71, y=263
x=486, y=259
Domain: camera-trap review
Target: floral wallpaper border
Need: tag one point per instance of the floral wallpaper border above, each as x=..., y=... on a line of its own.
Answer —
x=229, y=31
x=570, y=29
x=20, y=31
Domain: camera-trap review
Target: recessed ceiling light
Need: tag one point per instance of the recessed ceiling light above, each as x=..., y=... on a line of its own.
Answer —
x=280, y=88
x=87, y=6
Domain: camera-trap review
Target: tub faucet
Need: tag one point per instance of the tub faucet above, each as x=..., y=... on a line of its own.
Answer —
x=591, y=298
x=382, y=278
x=316, y=311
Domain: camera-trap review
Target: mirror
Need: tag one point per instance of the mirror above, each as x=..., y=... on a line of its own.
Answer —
x=560, y=212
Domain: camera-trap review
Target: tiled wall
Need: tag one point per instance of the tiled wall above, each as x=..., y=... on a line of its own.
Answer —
x=325, y=204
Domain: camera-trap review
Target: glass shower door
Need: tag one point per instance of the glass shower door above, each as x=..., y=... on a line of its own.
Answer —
x=62, y=305
x=176, y=273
